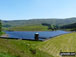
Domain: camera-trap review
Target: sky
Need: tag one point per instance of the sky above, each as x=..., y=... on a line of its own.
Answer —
x=36, y=9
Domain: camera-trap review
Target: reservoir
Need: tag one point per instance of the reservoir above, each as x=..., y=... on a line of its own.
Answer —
x=31, y=34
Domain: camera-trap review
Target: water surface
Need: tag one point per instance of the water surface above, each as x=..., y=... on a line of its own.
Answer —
x=30, y=34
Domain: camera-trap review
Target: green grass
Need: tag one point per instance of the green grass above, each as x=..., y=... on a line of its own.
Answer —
x=66, y=43
x=30, y=28
x=20, y=48
x=2, y=33
x=6, y=55
x=48, y=48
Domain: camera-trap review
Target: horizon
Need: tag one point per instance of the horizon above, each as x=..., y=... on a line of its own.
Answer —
x=38, y=19
x=37, y=9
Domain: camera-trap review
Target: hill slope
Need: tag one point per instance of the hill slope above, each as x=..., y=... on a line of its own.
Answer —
x=53, y=21
x=48, y=48
x=20, y=48
x=71, y=27
x=66, y=43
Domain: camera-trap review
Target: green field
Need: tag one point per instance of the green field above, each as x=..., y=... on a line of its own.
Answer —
x=48, y=48
x=20, y=48
x=66, y=43
x=30, y=28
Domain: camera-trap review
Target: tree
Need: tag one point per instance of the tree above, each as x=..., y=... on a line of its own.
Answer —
x=0, y=26
x=54, y=27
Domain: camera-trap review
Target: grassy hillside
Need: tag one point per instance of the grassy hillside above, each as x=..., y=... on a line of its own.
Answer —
x=20, y=48
x=30, y=28
x=66, y=43
x=71, y=27
x=53, y=21
x=48, y=48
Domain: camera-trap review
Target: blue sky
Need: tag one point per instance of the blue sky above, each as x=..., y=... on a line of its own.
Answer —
x=29, y=9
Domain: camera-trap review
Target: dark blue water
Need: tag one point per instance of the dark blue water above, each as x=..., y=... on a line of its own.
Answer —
x=30, y=34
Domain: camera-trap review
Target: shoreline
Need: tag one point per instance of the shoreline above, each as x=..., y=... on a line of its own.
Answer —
x=4, y=35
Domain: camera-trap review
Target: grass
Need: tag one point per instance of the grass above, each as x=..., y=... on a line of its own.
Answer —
x=5, y=55
x=48, y=48
x=66, y=43
x=2, y=33
x=20, y=48
x=30, y=28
